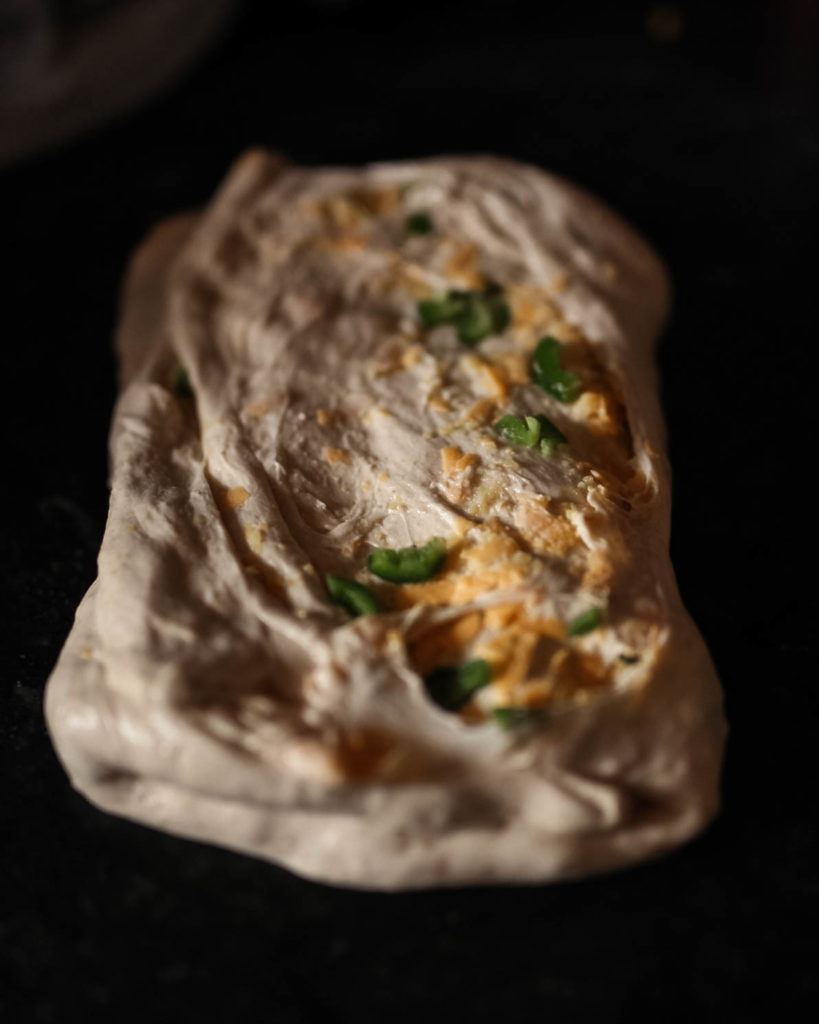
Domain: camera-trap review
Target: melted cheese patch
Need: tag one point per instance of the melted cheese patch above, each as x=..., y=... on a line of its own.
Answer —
x=336, y=455
x=254, y=535
x=599, y=570
x=462, y=265
x=488, y=378
x=236, y=497
x=515, y=367
x=479, y=413
x=377, y=201
x=600, y=411
x=453, y=460
x=533, y=661
x=489, y=560
x=458, y=589
x=457, y=469
x=544, y=532
x=445, y=644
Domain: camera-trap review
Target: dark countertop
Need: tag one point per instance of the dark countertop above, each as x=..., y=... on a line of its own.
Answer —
x=710, y=146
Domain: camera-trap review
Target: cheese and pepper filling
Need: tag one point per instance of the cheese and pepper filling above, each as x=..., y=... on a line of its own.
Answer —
x=444, y=447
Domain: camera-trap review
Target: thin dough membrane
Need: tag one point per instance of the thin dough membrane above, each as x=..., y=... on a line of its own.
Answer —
x=210, y=688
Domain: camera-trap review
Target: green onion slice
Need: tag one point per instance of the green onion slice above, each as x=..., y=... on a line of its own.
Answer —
x=511, y=718
x=474, y=314
x=501, y=316
x=550, y=436
x=442, y=310
x=475, y=323
x=452, y=686
x=182, y=383
x=559, y=383
x=408, y=565
x=419, y=223
x=519, y=430
x=353, y=596
x=529, y=431
x=586, y=621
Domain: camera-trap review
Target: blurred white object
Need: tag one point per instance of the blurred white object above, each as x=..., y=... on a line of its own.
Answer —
x=66, y=65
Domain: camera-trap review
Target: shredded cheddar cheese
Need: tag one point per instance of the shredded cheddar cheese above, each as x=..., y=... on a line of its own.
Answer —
x=599, y=409
x=545, y=532
x=491, y=378
x=462, y=265
x=501, y=547
x=445, y=643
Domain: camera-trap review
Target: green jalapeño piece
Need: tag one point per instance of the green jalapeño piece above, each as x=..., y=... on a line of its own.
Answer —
x=475, y=315
x=452, y=686
x=475, y=323
x=182, y=383
x=531, y=431
x=353, y=596
x=559, y=383
x=419, y=223
x=501, y=314
x=550, y=436
x=485, y=313
x=444, y=309
x=523, y=431
x=586, y=621
x=408, y=565
x=512, y=718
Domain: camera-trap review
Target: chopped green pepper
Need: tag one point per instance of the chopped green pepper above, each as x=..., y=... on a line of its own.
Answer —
x=501, y=315
x=560, y=384
x=509, y=718
x=452, y=686
x=408, y=565
x=586, y=621
x=442, y=310
x=353, y=596
x=419, y=223
x=475, y=323
x=519, y=430
x=182, y=383
x=550, y=436
x=528, y=431
x=474, y=314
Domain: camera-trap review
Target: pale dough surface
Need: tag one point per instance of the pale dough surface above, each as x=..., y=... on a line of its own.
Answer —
x=207, y=687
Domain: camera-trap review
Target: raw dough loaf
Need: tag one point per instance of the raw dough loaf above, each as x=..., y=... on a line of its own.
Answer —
x=209, y=687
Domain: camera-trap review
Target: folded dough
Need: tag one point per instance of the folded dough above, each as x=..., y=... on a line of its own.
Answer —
x=210, y=688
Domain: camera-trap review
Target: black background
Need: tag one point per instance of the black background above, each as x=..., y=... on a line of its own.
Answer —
x=709, y=144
